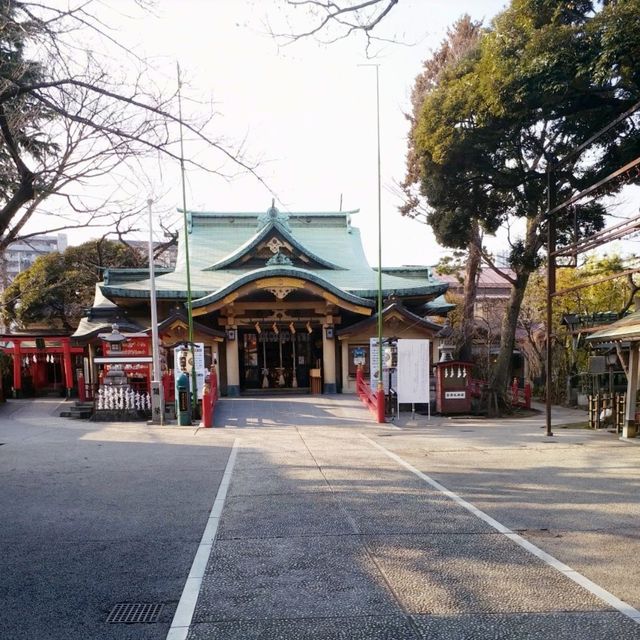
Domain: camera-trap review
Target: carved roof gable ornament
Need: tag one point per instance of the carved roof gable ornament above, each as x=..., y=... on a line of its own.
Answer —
x=280, y=292
x=273, y=215
x=279, y=259
x=275, y=244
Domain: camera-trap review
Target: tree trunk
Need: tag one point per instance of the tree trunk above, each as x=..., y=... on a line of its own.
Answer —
x=470, y=292
x=501, y=374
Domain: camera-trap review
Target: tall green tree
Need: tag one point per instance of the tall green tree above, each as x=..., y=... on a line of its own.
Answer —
x=57, y=287
x=546, y=75
x=458, y=50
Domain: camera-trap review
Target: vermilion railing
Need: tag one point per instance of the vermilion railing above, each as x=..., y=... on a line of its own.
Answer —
x=374, y=400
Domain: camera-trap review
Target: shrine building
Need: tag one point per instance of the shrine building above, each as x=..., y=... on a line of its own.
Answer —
x=280, y=301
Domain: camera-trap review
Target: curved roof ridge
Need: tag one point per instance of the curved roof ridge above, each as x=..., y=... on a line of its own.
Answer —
x=261, y=235
x=281, y=271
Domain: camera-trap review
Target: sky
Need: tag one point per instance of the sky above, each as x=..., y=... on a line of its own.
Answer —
x=305, y=112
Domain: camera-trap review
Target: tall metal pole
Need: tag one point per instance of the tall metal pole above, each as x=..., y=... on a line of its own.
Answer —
x=379, y=305
x=551, y=285
x=380, y=383
x=157, y=395
x=194, y=381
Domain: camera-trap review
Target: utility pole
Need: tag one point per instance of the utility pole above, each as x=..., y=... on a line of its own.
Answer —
x=551, y=284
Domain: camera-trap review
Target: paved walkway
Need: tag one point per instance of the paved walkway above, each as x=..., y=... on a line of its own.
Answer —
x=327, y=533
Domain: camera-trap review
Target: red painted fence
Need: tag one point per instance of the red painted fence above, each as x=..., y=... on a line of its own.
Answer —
x=374, y=400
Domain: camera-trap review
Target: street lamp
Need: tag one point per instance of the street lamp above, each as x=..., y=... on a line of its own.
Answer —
x=157, y=395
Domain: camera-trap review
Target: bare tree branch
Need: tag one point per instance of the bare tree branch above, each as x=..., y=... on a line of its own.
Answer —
x=67, y=118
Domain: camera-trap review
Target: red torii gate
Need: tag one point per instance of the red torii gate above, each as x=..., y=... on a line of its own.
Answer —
x=32, y=353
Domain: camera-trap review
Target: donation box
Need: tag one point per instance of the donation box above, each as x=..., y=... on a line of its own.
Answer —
x=453, y=387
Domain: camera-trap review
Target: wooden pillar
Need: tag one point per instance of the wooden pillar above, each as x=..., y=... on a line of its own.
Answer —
x=328, y=360
x=17, y=369
x=233, y=364
x=67, y=369
x=629, y=430
x=345, y=367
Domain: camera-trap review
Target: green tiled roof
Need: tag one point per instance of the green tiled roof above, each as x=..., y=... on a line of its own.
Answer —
x=216, y=237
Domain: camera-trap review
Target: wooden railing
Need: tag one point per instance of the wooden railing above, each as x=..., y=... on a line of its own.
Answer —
x=374, y=400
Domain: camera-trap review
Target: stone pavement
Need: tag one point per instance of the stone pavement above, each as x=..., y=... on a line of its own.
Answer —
x=325, y=535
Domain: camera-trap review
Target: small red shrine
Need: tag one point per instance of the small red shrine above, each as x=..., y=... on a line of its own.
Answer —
x=42, y=363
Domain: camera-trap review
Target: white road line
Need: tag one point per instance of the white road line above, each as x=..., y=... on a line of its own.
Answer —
x=184, y=612
x=570, y=573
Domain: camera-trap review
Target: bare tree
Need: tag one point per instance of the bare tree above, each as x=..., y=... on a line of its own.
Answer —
x=331, y=20
x=71, y=117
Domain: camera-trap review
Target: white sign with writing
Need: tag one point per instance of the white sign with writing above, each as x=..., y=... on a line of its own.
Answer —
x=374, y=367
x=455, y=395
x=413, y=371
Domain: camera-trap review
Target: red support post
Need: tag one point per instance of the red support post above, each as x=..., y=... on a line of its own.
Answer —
x=17, y=368
x=68, y=372
x=207, y=408
x=359, y=380
x=527, y=396
x=380, y=404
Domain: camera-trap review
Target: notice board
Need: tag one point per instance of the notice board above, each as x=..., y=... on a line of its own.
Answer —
x=414, y=365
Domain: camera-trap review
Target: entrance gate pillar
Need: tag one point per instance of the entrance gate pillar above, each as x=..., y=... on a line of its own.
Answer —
x=17, y=369
x=233, y=363
x=329, y=359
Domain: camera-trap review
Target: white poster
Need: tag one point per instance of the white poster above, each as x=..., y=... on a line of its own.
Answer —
x=413, y=371
x=185, y=353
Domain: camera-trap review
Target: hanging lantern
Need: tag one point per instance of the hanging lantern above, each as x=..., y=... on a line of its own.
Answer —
x=292, y=328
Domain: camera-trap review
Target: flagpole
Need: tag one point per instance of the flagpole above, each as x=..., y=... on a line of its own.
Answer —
x=194, y=387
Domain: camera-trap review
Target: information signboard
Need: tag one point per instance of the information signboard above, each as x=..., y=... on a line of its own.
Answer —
x=413, y=371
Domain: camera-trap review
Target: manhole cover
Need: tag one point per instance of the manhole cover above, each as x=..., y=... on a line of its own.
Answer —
x=134, y=612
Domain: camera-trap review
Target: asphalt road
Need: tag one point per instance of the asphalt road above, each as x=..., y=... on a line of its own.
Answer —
x=331, y=527
x=423, y=532
x=95, y=515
